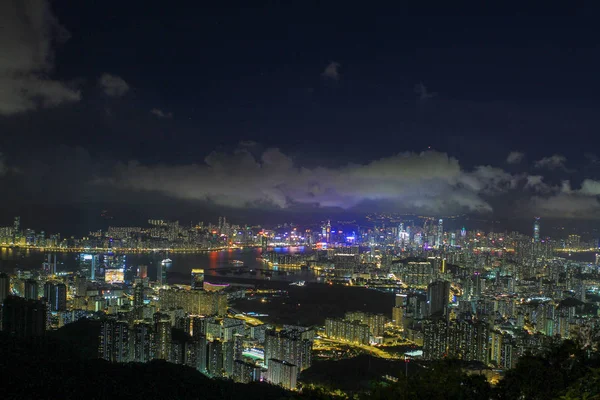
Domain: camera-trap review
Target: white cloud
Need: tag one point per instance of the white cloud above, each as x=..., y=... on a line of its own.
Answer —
x=566, y=202
x=553, y=162
x=567, y=205
x=590, y=187
x=161, y=114
x=515, y=157
x=332, y=71
x=28, y=30
x=430, y=182
x=537, y=184
x=113, y=85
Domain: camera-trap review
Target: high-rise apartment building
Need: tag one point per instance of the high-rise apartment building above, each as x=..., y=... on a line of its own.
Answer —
x=282, y=373
x=115, y=341
x=435, y=338
x=162, y=336
x=349, y=331
x=215, y=358
x=55, y=294
x=143, y=342
x=438, y=293
x=375, y=322
x=31, y=289
x=244, y=372
x=288, y=346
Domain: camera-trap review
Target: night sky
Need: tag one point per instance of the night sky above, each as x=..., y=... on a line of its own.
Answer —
x=183, y=110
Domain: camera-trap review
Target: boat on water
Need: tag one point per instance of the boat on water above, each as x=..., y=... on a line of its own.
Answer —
x=236, y=263
x=167, y=262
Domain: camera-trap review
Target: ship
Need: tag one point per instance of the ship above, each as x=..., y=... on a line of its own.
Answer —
x=236, y=263
x=167, y=262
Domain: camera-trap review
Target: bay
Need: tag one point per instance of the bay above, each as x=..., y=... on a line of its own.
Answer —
x=217, y=265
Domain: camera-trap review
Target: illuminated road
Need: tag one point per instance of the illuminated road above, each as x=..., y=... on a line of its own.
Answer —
x=376, y=351
x=249, y=320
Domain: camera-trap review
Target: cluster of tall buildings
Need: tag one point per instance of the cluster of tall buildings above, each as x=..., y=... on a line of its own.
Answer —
x=356, y=327
x=219, y=347
x=477, y=296
x=15, y=235
x=492, y=305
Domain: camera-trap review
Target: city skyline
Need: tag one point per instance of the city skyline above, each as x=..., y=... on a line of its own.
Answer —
x=298, y=200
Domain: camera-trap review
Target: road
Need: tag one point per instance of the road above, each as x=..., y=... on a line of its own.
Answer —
x=376, y=351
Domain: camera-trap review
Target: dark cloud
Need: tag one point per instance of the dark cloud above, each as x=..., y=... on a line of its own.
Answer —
x=566, y=202
x=28, y=33
x=422, y=93
x=113, y=85
x=161, y=114
x=553, y=162
x=332, y=71
x=515, y=157
x=567, y=205
x=252, y=178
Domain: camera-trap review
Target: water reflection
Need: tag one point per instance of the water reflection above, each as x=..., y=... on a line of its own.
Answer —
x=217, y=264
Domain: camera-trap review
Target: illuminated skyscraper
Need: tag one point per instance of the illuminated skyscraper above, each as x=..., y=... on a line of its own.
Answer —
x=536, y=230
x=115, y=342
x=122, y=342
x=201, y=353
x=143, y=350
x=106, y=343
x=31, y=289
x=142, y=271
x=288, y=346
x=161, y=274
x=348, y=331
x=55, y=294
x=215, y=358
x=138, y=295
x=88, y=264
x=17, y=230
x=197, y=278
x=440, y=233
x=162, y=336
x=244, y=372
x=438, y=293
x=282, y=373
x=435, y=338
x=397, y=314
x=375, y=322
x=50, y=265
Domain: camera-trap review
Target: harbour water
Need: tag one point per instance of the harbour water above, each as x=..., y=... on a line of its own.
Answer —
x=217, y=265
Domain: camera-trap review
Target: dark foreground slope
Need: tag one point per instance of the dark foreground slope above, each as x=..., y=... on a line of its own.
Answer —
x=49, y=368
